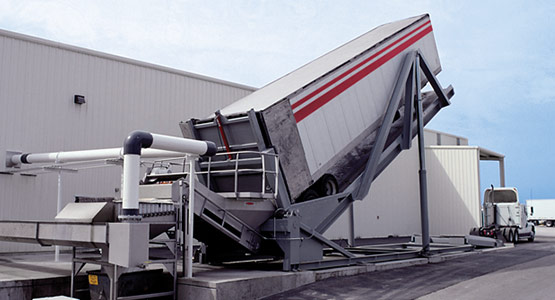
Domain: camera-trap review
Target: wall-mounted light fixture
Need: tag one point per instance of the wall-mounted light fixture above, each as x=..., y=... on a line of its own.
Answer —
x=79, y=99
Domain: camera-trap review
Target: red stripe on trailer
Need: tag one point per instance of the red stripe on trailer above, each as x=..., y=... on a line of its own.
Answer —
x=325, y=86
x=327, y=97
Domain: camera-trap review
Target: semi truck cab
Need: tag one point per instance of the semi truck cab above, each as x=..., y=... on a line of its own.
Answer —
x=504, y=216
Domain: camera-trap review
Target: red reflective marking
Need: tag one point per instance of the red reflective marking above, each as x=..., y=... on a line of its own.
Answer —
x=320, y=89
x=327, y=97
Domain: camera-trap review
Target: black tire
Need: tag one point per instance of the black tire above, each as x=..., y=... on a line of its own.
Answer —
x=328, y=186
x=309, y=194
x=532, y=234
x=532, y=237
x=505, y=236
x=548, y=223
x=510, y=238
x=516, y=236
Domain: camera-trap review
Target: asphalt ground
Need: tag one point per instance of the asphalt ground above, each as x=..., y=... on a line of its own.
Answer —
x=525, y=271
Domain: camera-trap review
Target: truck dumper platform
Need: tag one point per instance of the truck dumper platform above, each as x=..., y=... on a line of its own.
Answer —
x=334, y=124
x=266, y=176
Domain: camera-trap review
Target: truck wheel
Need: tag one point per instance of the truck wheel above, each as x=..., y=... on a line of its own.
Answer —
x=328, y=185
x=516, y=236
x=510, y=236
x=309, y=194
x=505, y=236
x=548, y=223
x=532, y=235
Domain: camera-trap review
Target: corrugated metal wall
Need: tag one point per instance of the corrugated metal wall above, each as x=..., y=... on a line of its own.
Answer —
x=38, y=80
x=393, y=204
x=454, y=189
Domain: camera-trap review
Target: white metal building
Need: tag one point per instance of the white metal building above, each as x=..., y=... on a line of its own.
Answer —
x=38, y=82
x=393, y=204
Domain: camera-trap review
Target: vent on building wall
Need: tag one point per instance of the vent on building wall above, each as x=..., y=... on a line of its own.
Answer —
x=79, y=99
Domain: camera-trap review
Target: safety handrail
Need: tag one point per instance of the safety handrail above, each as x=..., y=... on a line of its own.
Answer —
x=237, y=158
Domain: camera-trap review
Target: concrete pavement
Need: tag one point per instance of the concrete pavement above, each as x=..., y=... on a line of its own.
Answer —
x=521, y=272
x=530, y=280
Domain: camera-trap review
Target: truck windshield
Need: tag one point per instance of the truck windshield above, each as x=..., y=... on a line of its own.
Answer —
x=500, y=196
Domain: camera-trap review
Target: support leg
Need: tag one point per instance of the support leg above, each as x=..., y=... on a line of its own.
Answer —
x=352, y=225
x=73, y=273
x=422, y=172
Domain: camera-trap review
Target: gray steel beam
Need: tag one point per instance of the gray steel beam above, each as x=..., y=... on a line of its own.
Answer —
x=409, y=111
x=314, y=234
x=375, y=154
x=374, y=258
x=336, y=213
x=436, y=86
x=422, y=156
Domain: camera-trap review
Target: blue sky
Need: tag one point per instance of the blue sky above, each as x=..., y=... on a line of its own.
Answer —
x=499, y=56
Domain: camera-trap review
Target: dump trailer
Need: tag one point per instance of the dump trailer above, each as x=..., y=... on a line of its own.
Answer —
x=504, y=216
x=295, y=154
x=323, y=118
x=541, y=211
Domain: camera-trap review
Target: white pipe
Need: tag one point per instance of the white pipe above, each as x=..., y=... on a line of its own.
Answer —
x=161, y=146
x=190, y=216
x=171, y=143
x=58, y=209
x=86, y=155
x=130, y=192
x=132, y=149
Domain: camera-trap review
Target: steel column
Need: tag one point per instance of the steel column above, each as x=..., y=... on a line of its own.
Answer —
x=352, y=225
x=422, y=155
x=502, y=172
x=190, y=217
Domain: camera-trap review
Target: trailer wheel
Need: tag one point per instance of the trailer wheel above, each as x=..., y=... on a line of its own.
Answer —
x=548, y=223
x=309, y=194
x=328, y=185
x=516, y=236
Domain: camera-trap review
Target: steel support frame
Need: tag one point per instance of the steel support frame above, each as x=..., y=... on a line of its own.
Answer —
x=408, y=81
x=375, y=154
x=381, y=257
x=407, y=87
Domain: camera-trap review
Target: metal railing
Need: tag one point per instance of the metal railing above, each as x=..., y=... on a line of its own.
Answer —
x=232, y=164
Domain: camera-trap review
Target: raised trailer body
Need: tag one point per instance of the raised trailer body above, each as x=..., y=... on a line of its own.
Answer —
x=334, y=125
x=322, y=118
x=541, y=211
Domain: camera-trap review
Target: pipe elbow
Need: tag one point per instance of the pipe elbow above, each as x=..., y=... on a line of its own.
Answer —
x=136, y=141
x=211, y=148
